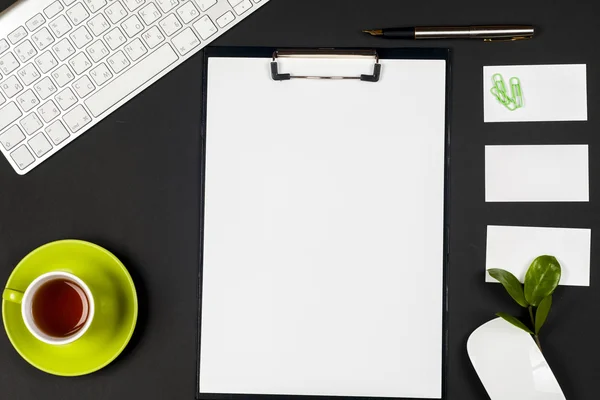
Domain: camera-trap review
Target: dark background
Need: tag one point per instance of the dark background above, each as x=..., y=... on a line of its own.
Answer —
x=131, y=185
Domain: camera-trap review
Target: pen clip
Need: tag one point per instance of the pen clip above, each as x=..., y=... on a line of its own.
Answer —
x=512, y=39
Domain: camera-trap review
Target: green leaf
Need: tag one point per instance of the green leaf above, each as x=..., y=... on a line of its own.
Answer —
x=511, y=284
x=541, y=279
x=542, y=313
x=514, y=321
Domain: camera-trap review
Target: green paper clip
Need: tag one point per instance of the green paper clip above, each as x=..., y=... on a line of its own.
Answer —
x=500, y=96
x=499, y=82
x=504, y=99
x=515, y=100
x=517, y=92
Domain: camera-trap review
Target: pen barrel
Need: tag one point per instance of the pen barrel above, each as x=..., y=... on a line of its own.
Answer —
x=511, y=32
x=399, y=33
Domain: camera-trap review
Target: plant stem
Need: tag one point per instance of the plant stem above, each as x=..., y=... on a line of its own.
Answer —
x=535, y=336
x=537, y=341
x=531, y=315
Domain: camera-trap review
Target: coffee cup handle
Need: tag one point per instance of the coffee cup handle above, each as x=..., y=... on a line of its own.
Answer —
x=14, y=296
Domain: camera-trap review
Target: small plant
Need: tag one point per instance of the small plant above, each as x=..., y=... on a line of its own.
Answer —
x=541, y=280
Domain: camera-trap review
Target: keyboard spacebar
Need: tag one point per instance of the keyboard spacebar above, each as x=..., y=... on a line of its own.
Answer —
x=131, y=80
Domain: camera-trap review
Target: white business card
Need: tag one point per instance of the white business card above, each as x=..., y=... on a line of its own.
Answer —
x=521, y=93
x=539, y=173
x=513, y=248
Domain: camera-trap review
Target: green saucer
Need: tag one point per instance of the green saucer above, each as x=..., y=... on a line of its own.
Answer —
x=115, y=301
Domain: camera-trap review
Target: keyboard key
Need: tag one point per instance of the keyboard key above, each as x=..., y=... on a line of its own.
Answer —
x=9, y=114
x=46, y=62
x=28, y=100
x=153, y=37
x=31, y=123
x=45, y=88
x=17, y=35
x=170, y=25
x=25, y=51
x=2, y=99
x=60, y=26
x=98, y=24
x=80, y=63
x=97, y=51
x=150, y=14
x=42, y=38
x=100, y=75
x=188, y=12
x=135, y=50
x=185, y=41
x=12, y=137
x=244, y=6
x=132, y=26
x=3, y=45
x=11, y=86
x=22, y=157
x=167, y=5
x=206, y=4
x=115, y=38
x=66, y=99
x=116, y=12
x=118, y=62
x=57, y=132
x=131, y=80
x=81, y=37
x=40, y=145
x=62, y=75
x=205, y=27
x=95, y=5
x=63, y=49
x=8, y=63
x=29, y=74
x=77, y=14
x=77, y=118
x=53, y=9
x=134, y=4
x=35, y=22
x=69, y=2
x=83, y=86
x=49, y=111
x=225, y=19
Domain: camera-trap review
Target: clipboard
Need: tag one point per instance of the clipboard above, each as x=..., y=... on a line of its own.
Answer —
x=280, y=312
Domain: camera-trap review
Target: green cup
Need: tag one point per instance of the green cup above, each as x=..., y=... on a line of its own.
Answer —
x=112, y=293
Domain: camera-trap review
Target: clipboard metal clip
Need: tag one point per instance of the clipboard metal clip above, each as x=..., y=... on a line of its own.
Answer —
x=326, y=53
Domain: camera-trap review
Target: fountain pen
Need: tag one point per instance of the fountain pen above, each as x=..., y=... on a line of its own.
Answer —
x=486, y=33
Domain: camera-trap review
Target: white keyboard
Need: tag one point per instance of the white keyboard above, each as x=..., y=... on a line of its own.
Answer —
x=67, y=64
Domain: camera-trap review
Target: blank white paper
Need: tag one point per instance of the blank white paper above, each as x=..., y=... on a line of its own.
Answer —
x=514, y=248
x=550, y=93
x=323, y=234
x=540, y=173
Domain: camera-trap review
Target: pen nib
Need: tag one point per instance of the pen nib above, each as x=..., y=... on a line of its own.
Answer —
x=374, y=32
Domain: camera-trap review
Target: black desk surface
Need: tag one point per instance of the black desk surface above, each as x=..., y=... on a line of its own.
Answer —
x=131, y=185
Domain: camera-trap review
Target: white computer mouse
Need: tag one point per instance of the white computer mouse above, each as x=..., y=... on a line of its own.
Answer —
x=510, y=365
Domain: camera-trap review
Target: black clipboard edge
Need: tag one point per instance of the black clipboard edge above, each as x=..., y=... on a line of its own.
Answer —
x=384, y=53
